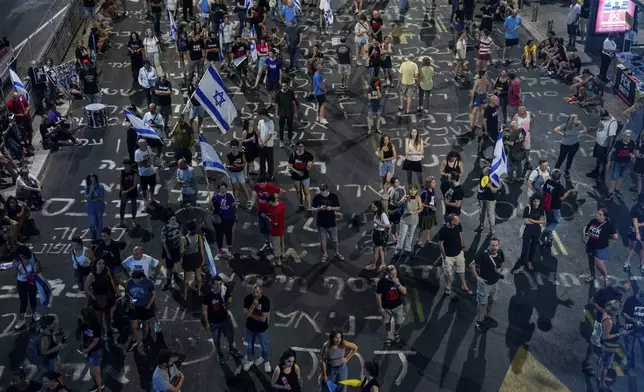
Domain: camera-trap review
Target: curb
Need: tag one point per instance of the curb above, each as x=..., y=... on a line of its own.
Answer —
x=533, y=30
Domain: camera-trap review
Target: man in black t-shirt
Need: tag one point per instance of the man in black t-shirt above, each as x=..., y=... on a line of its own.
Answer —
x=452, y=244
x=163, y=92
x=637, y=233
x=487, y=268
x=453, y=197
x=326, y=204
x=633, y=313
x=553, y=194
x=299, y=164
x=238, y=50
x=156, y=7
x=389, y=292
x=256, y=309
x=215, y=306
x=286, y=111
x=620, y=158
x=217, y=12
x=596, y=306
x=491, y=124
x=487, y=203
x=212, y=47
x=88, y=80
x=343, y=51
x=110, y=251
x=196, y=55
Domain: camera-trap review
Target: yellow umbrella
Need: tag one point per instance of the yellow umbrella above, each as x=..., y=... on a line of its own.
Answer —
x=484, y=181
x=354, y=382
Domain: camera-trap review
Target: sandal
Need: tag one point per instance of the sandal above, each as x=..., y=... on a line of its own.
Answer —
x=370, y=267
x=387, y=344
x=468, y=291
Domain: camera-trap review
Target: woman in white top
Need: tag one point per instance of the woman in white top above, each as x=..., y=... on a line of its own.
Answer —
x=361, y=32
x=27, y=267
x=29, y=190
x=379, y=236
x=82, y=260
x=151, y=45
x=524, y=120
x=414, y=152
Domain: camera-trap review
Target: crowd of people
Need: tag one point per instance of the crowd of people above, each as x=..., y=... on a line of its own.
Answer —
x=405, y=216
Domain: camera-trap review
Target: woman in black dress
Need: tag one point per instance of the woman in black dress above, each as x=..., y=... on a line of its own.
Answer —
x=251, y=145
x=286, y=375
x=501, y=87
x=101, y=290
x=193, y=257
x=135, y=50
x=370, y=382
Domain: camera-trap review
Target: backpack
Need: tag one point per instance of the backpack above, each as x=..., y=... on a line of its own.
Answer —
x=34, y=354
x=547, y=201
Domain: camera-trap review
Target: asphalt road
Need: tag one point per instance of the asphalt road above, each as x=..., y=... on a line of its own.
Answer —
x=540, y=339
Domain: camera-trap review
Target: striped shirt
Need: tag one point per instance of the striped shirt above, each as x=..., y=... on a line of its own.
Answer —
x=485, y=46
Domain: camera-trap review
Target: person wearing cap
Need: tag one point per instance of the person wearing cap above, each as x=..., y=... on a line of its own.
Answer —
x=88, y=80
x=633, y=314
x=343, y=51
x=129, y=191
x=407, y=82
x=19, y=382
x=144, y=158
x=597, y=304
x=141, y=294
x=167, y=377
x=621, y=157
x=605, y=134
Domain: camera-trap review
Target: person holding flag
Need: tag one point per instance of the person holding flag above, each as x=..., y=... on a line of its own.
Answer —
x=211, y=94
x=326, y=16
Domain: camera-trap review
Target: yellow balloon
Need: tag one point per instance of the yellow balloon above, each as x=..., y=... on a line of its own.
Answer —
x=354, y=382
x=485, y=180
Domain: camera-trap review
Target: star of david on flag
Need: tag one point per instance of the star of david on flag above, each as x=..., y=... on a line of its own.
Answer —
x=18, y=85
x=212, y=95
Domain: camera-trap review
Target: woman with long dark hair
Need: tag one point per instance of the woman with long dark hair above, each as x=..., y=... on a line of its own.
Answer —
x=453, y=163
x=387, y=157
x=82, y=260
x=192, y=257
x=414, y=153
x=250, y=145
x=379, y=236
x=334, y=360
x=428, y=214
x=501, y=88
x=92, y=344
x=135, y=50
x=95, y=196
x=101, y=290
x=374, y=107
x=224, y=217
x=286, y=375
x=533, y=218
x=370, y=382
x=27, y=267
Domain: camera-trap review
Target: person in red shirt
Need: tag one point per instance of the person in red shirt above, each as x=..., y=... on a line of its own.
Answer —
x=19, y=107
x=262, y=190
x=263, y=48
x=514, y=96
x=278, y=226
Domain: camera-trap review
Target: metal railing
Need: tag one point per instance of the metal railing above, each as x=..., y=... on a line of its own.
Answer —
x=51, y=39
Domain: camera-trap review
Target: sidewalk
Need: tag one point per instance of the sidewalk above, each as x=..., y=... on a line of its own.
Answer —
x=558, y=13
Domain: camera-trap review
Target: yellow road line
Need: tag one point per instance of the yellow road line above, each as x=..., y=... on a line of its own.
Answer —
x=559, y=243
x=420, y=315
x=618, y=369
x=408, y=311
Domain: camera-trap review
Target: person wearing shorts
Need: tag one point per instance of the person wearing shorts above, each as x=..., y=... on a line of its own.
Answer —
x=389, y=293
x=450, y=242
x=320, y=89
x=407, y=82
x=343, y=53
x=374, y=107
x=144, y=158
x=140, y=292
x=327, y=204
x=511, y=24
x=487, y=269
x=171, y=246
x=623, y=151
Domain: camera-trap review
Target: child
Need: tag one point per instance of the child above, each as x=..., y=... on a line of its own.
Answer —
x=530, y=54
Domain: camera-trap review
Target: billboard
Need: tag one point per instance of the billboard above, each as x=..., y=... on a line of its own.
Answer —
x=611, y=16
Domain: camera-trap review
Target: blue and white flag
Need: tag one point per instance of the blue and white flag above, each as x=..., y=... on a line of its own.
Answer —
x=211, y=260
x=328, y=13
x=44, y=291
x=174, y=31
x=140, y=127
x=211, y=93
x=249, y=4
x=252, y=47
x=209, y=157
x=499, y=162
x=298, y=4
x=18, y=85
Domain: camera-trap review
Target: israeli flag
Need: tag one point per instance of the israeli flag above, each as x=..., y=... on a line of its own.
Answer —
x=298, y=4
x=211, y=93
x=44, y=291
x=252, y=46
x=209, y=157
x=249, y=4
x=174, y=31
x=499, y=162
x=328, y=13
x=140, y=127
x=18, y=85
x=211, y=260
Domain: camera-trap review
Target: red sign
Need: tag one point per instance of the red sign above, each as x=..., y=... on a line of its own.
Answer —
x=611, y=16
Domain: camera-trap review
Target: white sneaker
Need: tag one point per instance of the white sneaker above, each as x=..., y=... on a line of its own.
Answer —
x=19, y=324
x=323, y=121
x=259, y=361
x=247, y=365
x=627, y=266
x=267, y=367
x=35, y=316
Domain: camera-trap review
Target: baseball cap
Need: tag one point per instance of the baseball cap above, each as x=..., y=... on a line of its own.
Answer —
x=138, y=274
